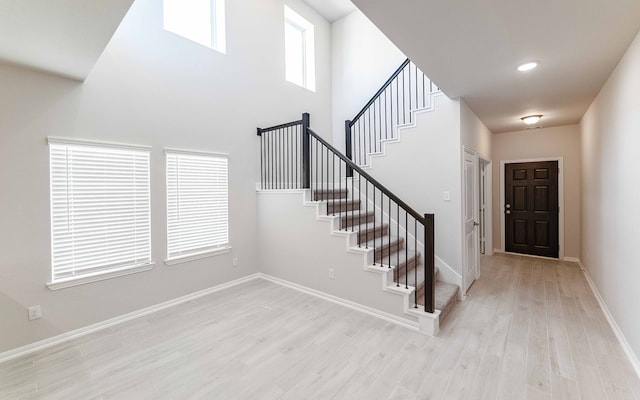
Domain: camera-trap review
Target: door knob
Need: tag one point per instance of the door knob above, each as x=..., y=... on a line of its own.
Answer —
x=507, y=212
x=507, y=206
x=476, y=223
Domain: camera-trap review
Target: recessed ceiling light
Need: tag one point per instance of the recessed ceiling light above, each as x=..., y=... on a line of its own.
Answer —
x=531, y=119
x=528, y=66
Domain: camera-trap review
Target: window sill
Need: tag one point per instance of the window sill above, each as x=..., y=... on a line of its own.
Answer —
x=197, y=256
x=81, y=280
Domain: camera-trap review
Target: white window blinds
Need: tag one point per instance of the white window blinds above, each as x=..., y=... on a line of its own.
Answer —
x=100, y=208
x=197, y=203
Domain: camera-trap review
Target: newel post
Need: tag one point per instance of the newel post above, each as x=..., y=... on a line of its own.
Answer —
x=429, y=263
x=347, y=147
x=306, y=153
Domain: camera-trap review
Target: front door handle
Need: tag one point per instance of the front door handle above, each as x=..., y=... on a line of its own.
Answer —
x=507, y=206
x=476, y=223
x=508, y=212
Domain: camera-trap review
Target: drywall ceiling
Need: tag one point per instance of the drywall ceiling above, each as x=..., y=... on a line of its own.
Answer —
x=64, y=37
x=471, y=49
x=332, y=10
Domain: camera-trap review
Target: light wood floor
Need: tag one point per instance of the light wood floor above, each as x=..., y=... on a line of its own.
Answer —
x=531, y=329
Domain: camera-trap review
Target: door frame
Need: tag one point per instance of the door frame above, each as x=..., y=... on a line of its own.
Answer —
x=560, y=201
x=478, y=158
x=488, y=192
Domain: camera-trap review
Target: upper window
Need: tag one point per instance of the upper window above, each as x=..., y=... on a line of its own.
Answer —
x=100, y=210
x=201, y=21
x=197, y=204
x=299, y=50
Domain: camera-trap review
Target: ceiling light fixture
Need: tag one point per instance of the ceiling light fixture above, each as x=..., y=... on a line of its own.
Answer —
x=531, y=119
x=528, y=66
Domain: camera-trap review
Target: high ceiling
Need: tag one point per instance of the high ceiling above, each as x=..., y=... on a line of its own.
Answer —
x=65, y=37
x=471, y=50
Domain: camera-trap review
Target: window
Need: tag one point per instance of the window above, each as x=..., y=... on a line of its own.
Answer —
x=201, y=21
x=100, y=211
x=197, y=205
x=299, y=50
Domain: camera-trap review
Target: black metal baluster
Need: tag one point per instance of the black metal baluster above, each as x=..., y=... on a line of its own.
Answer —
x=424, y=100
x=389, y=217
x=366, y=212
x=359, y=209
x=316, y=194
x=398, y=239
x=415, y=255
x=333, y=178
x=374, y=225
x=406, y=250
x=369, y=132
x=353, y=197
x=261, y=164
x=397, y=105
x=410, y=96
x=417, y=106
x=404, y=112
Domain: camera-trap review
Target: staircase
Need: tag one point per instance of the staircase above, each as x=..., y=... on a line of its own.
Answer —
x=396, y=241
x=390, y=251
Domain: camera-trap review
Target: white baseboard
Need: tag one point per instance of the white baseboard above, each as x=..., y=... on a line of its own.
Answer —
x=76, y=333
x=572, y=259
x=633, y=359
x=407, y=323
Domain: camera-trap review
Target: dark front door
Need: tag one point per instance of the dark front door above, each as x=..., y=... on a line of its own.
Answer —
x=531, y=208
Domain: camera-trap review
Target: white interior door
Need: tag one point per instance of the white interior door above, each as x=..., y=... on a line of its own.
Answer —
x=470, y=211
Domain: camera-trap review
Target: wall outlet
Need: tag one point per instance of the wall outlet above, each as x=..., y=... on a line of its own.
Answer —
x=446, y=196
x=35, y=312
x=235, y=261
x=332, y=273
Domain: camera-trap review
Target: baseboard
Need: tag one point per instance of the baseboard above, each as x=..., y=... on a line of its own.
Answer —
x=76, y=333
x=633, y=359
x=407, y=323
x=572, y=259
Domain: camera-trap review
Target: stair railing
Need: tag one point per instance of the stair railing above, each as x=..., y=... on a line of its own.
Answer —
x=407, y=89
x=292, y=156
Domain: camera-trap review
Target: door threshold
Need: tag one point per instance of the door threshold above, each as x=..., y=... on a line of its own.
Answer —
x=527, y=255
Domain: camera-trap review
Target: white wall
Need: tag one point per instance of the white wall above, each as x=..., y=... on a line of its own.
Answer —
x=611, y=193
x=560, y=141
x=475, y=135
x=299, y=248
x=155, y=88
x=425, y=163
x=362, y=61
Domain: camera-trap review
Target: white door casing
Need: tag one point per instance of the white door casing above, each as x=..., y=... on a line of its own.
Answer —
x=470, y=253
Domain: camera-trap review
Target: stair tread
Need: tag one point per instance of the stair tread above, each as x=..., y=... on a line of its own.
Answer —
x=411, y=279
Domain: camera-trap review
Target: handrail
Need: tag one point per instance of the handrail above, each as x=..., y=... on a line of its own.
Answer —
x=379, y=92
x=281, y=126
x=361, y=172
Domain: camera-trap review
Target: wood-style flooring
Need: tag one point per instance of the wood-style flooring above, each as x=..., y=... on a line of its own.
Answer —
x=530, y=329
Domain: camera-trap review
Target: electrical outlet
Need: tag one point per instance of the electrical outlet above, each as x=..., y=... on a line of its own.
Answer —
x=332, y=273
x=35, y=312
x=235, y=261
x=446, y=196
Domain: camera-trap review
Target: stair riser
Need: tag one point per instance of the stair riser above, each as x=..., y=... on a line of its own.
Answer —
x=338, y=208
x=410, y=266
x=383, y=252
x=319, y=196
x=370, y=234
x=349, y=220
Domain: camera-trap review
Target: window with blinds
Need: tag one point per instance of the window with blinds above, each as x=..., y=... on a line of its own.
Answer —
x=197, y=203
x=100, y=209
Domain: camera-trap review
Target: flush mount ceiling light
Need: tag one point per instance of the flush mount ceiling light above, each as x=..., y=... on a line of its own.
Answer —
x=528, y=66
x=531, y=119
